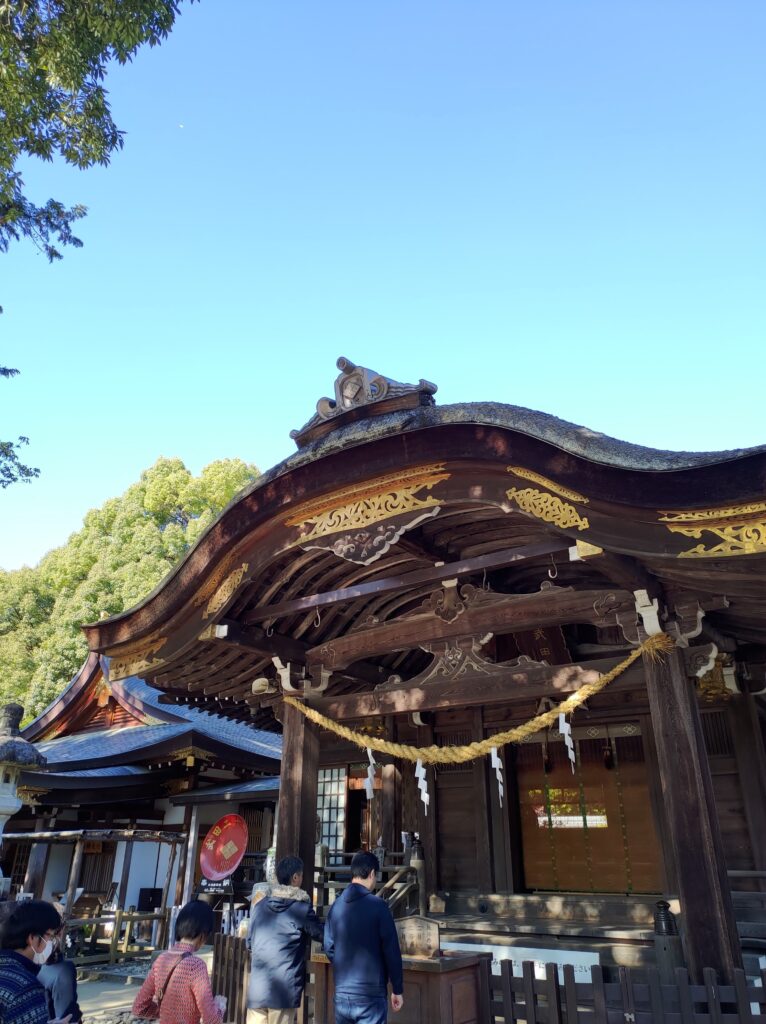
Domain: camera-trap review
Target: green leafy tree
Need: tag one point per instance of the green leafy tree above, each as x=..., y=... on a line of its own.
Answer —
x=123, y=550
x=54, y=55
x=11, y=466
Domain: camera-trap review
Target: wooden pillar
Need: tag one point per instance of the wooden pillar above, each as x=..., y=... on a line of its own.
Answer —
x=484, y=859
x=751, y=765
x=122, y=892
x=191, y=855
x=710, y=932
x=428, y=823
x=298, y=782
x=659, y=811
x=390, y=809
x=182, y=858
x=34, y=879
x=74, y=876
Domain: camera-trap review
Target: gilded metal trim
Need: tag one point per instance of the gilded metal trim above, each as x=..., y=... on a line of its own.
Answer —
x=708, y=515
x=734, y=539
x=549, y=485
x=226, y=591
x=123, y=667
x=357, y=507
x=548, y=507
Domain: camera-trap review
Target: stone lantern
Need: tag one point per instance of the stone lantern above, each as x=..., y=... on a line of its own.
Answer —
x=16, y=755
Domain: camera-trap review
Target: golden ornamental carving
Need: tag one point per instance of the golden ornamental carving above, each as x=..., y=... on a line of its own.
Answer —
x=712, y=515
x=712, y=687
x=212, y=584
x=362, y=505
x=121, y=667
x=548, y=507
x=549, y=485
x=734, y=539
x=102, y=692
x=31, y=795
x=226, y=591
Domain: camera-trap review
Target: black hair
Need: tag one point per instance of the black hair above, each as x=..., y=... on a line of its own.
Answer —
x=363, y=863
x=194, y=920
x=33, y=917
x=288, y=867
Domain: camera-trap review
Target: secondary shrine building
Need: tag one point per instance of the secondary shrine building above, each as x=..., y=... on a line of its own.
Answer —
x=436, y=575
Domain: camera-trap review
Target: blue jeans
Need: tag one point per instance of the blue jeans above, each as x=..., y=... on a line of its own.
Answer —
x=360, y=1009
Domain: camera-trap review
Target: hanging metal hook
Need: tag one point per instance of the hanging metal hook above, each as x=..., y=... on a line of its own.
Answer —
x=553, y=573
x=317, y=619
x=269, y=631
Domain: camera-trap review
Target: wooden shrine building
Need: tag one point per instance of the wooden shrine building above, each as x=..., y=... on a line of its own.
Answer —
x=436, y=575
x=117, y=760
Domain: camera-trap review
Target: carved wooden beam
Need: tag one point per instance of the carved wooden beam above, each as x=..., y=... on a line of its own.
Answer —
x=286, y=648
x=374, y=588
x=522, y=679
x=550, y=607
x=514, y=681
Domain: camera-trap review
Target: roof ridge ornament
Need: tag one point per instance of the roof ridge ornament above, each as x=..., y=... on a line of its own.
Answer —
x=361, y=392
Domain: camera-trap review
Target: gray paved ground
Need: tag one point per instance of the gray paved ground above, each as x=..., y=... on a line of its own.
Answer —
x=106, y=1001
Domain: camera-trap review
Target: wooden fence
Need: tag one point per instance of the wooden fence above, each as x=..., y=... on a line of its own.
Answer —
x=231, y=973
x=635, y=997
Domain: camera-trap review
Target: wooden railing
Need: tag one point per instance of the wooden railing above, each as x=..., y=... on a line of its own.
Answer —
x=633, y=997
x=402, y=887
x=637, y=997
x=120, y=944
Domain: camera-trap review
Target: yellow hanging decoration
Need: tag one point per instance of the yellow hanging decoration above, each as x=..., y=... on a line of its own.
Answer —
x=654, y=648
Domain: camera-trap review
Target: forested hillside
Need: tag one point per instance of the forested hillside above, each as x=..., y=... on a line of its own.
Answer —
x=122, y=551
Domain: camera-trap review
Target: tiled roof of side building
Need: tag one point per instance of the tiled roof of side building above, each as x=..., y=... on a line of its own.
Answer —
x=237, y=734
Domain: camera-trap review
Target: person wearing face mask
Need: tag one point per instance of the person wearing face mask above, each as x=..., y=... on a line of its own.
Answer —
x=27, y=934
x=58, y=976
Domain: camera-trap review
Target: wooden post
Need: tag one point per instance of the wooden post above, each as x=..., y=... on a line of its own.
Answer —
x=122, y=894
x=298, y=784
x=191, y=855
x=162, y=929
x=484, y=851
x=751, y=765
x=74, y=876
x=391, y=779
x=428, y=822
x=34, y=879
x=182, y=857
x=116, y=928
x=710, y=932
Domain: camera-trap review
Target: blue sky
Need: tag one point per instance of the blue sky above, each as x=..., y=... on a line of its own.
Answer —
x=556, y=205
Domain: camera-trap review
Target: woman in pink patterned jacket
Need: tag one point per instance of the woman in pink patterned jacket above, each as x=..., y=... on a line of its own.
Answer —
x=177, y=990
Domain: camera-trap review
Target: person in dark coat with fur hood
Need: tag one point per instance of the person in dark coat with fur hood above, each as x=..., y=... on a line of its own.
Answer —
x=281, y=925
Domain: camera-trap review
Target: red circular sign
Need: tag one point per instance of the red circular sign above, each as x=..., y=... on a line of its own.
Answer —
x=224, y=847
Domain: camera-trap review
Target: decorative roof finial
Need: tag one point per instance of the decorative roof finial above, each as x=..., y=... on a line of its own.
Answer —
x=361, y=392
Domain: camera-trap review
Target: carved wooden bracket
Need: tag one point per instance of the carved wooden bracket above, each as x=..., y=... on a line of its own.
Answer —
x=289, y=676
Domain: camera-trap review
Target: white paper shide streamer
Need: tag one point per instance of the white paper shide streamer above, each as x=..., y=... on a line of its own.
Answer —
x=566, y=731
x=497, y=764
x=369, y=782
x=420, y=775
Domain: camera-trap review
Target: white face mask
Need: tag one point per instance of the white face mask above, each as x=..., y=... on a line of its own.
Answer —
x=45, y=952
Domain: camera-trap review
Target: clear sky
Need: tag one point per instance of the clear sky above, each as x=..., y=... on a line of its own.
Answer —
x=552, y=204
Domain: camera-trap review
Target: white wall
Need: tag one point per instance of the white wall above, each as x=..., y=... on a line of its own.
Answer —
x=57, y=875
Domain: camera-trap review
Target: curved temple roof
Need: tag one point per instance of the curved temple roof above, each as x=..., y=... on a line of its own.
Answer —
x=397, y=487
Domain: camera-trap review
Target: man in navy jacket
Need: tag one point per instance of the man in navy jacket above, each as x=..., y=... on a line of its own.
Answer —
x=361, y=943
